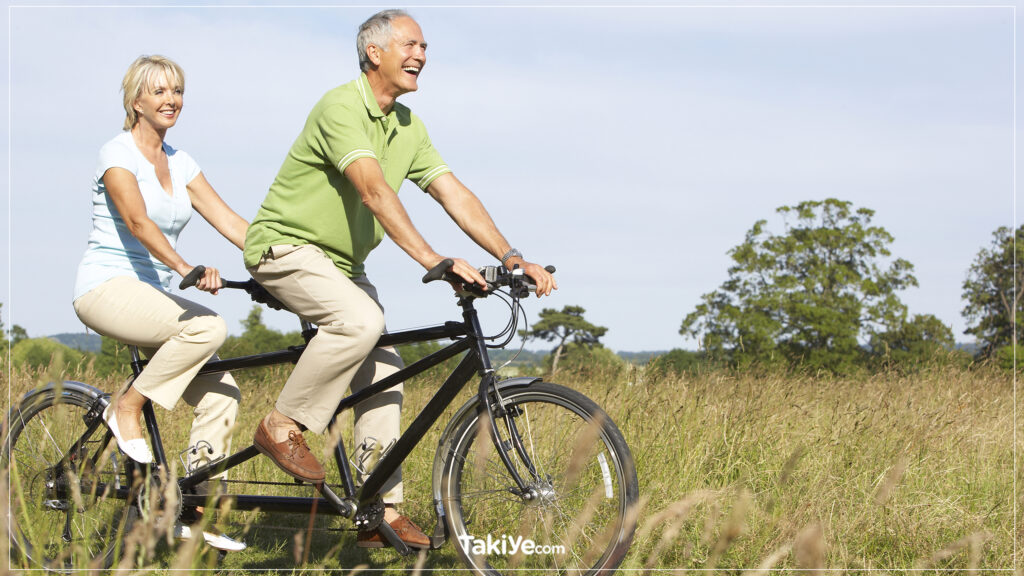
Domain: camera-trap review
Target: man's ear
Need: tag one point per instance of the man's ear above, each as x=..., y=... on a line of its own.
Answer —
x=373, y=54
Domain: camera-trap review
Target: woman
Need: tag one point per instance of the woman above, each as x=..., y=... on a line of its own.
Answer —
x=143, y=195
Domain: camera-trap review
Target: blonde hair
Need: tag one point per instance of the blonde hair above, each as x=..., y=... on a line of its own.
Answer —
x=142, y=75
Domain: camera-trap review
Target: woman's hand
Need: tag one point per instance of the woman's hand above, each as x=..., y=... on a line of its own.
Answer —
x=208, y=282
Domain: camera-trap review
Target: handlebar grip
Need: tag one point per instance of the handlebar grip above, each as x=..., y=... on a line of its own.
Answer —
x=550, y=269
x=437, y=272
x=238, y=285
x=192, y=277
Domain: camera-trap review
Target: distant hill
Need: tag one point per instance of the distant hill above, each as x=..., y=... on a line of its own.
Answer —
x=641, y=358
x=971, y=348
x=526, y=357
x=536, y=357
x=79, y=341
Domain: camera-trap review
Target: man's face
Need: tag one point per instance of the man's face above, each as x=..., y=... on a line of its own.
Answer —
x=405, y=57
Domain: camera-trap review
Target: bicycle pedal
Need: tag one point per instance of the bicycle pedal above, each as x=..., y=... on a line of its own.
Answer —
x=437, y=539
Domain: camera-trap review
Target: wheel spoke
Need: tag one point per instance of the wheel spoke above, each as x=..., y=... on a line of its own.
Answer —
x=575, y=505
x=66, y=514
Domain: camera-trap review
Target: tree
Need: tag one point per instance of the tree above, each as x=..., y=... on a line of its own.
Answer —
x=18, y=334
x=677, y=361
x=555, y=326
x=993, y=290
x=589, y=362
x=257, y=337
x=113, y=358
x=43, y=353
x=811, y=294
x=920, y=338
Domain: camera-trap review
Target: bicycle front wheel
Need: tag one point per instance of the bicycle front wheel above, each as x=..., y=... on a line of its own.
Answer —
x=577, y=514
x=69, y=506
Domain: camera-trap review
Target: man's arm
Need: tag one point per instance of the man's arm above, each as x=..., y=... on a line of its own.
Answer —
x=469, y=213
x=368, y=179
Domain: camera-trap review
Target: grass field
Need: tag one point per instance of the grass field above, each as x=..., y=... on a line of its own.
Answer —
x=738, y=472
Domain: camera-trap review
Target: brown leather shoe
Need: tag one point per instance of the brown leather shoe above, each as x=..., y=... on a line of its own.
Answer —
x=292, y=455
x=406, y=530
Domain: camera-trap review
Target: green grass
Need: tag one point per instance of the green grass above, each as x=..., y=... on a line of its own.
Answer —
x=738, y=471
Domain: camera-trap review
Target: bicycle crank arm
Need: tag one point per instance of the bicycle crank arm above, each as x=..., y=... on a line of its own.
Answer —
x=388, y=533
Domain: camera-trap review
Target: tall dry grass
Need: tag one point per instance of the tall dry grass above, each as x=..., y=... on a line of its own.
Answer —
x=739, y=472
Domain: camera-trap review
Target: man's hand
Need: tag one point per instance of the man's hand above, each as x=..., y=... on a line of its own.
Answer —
x=464, y=270
x=544, y=280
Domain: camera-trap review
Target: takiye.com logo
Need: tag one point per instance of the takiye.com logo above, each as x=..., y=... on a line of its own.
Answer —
x=506, y=546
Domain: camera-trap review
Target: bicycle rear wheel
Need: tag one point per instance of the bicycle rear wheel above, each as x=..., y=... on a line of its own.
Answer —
x=577, y=516
x=69, y=488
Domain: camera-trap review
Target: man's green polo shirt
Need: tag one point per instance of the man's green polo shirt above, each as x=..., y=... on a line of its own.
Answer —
x=312, y=202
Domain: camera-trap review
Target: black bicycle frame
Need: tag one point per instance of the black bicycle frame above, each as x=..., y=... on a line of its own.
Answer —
x=468, y=337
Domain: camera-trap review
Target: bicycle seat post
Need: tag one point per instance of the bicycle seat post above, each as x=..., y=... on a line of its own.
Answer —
x=308, y=330
x=136, y=360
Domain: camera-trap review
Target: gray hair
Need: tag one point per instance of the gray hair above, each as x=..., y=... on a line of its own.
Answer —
x=377, y=31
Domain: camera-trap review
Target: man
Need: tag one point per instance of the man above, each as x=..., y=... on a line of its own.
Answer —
x=333, y=200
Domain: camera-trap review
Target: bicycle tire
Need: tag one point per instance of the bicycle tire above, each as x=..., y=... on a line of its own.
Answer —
x=586, y=485
x=70, y=517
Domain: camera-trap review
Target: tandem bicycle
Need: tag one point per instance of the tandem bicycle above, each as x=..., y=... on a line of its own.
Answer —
x=521, y=460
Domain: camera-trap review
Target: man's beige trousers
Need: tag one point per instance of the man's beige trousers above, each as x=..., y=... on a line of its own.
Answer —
x=350, y=320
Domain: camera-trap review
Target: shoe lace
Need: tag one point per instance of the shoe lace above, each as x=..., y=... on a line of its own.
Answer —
x=297, y=441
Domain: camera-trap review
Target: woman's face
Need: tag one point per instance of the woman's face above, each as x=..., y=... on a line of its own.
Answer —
x=160, y=103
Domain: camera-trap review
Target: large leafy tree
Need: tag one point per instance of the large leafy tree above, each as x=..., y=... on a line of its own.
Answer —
x=811, y=294
x=567, y=325
x=993, y=290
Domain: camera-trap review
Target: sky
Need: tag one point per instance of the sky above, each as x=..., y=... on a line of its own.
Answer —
x=630, y=147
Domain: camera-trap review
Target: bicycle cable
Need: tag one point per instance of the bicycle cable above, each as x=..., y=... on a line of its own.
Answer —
x=516, y=309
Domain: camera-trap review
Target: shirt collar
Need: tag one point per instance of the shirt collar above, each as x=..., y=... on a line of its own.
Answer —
x=368, y=98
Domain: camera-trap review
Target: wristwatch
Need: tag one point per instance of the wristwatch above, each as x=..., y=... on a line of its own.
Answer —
x=509, y=254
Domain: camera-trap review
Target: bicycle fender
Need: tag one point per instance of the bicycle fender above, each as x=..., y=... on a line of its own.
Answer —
x=453, y=425
x=68, y=385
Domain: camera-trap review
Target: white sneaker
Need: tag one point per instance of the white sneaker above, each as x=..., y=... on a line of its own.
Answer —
x=221, y=542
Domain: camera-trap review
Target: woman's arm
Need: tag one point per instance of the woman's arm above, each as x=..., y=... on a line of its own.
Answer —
x=123, y=189
x=216, y=211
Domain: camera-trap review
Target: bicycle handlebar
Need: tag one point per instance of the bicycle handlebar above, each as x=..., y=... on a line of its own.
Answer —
x=257, y=292
x=495, y=276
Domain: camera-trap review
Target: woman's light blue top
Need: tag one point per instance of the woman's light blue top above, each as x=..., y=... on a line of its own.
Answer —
x=113, y=251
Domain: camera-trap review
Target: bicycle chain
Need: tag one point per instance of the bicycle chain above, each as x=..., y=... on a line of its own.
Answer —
x=262, y=526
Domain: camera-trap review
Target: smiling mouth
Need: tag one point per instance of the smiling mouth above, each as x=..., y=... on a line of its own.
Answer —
x=411, y=70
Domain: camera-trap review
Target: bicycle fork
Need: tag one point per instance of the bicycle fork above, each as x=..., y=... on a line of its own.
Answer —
x=495, y=409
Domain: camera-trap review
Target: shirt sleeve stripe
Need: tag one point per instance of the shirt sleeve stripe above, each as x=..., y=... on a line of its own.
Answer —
x=432, y=175
x=352, y=157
